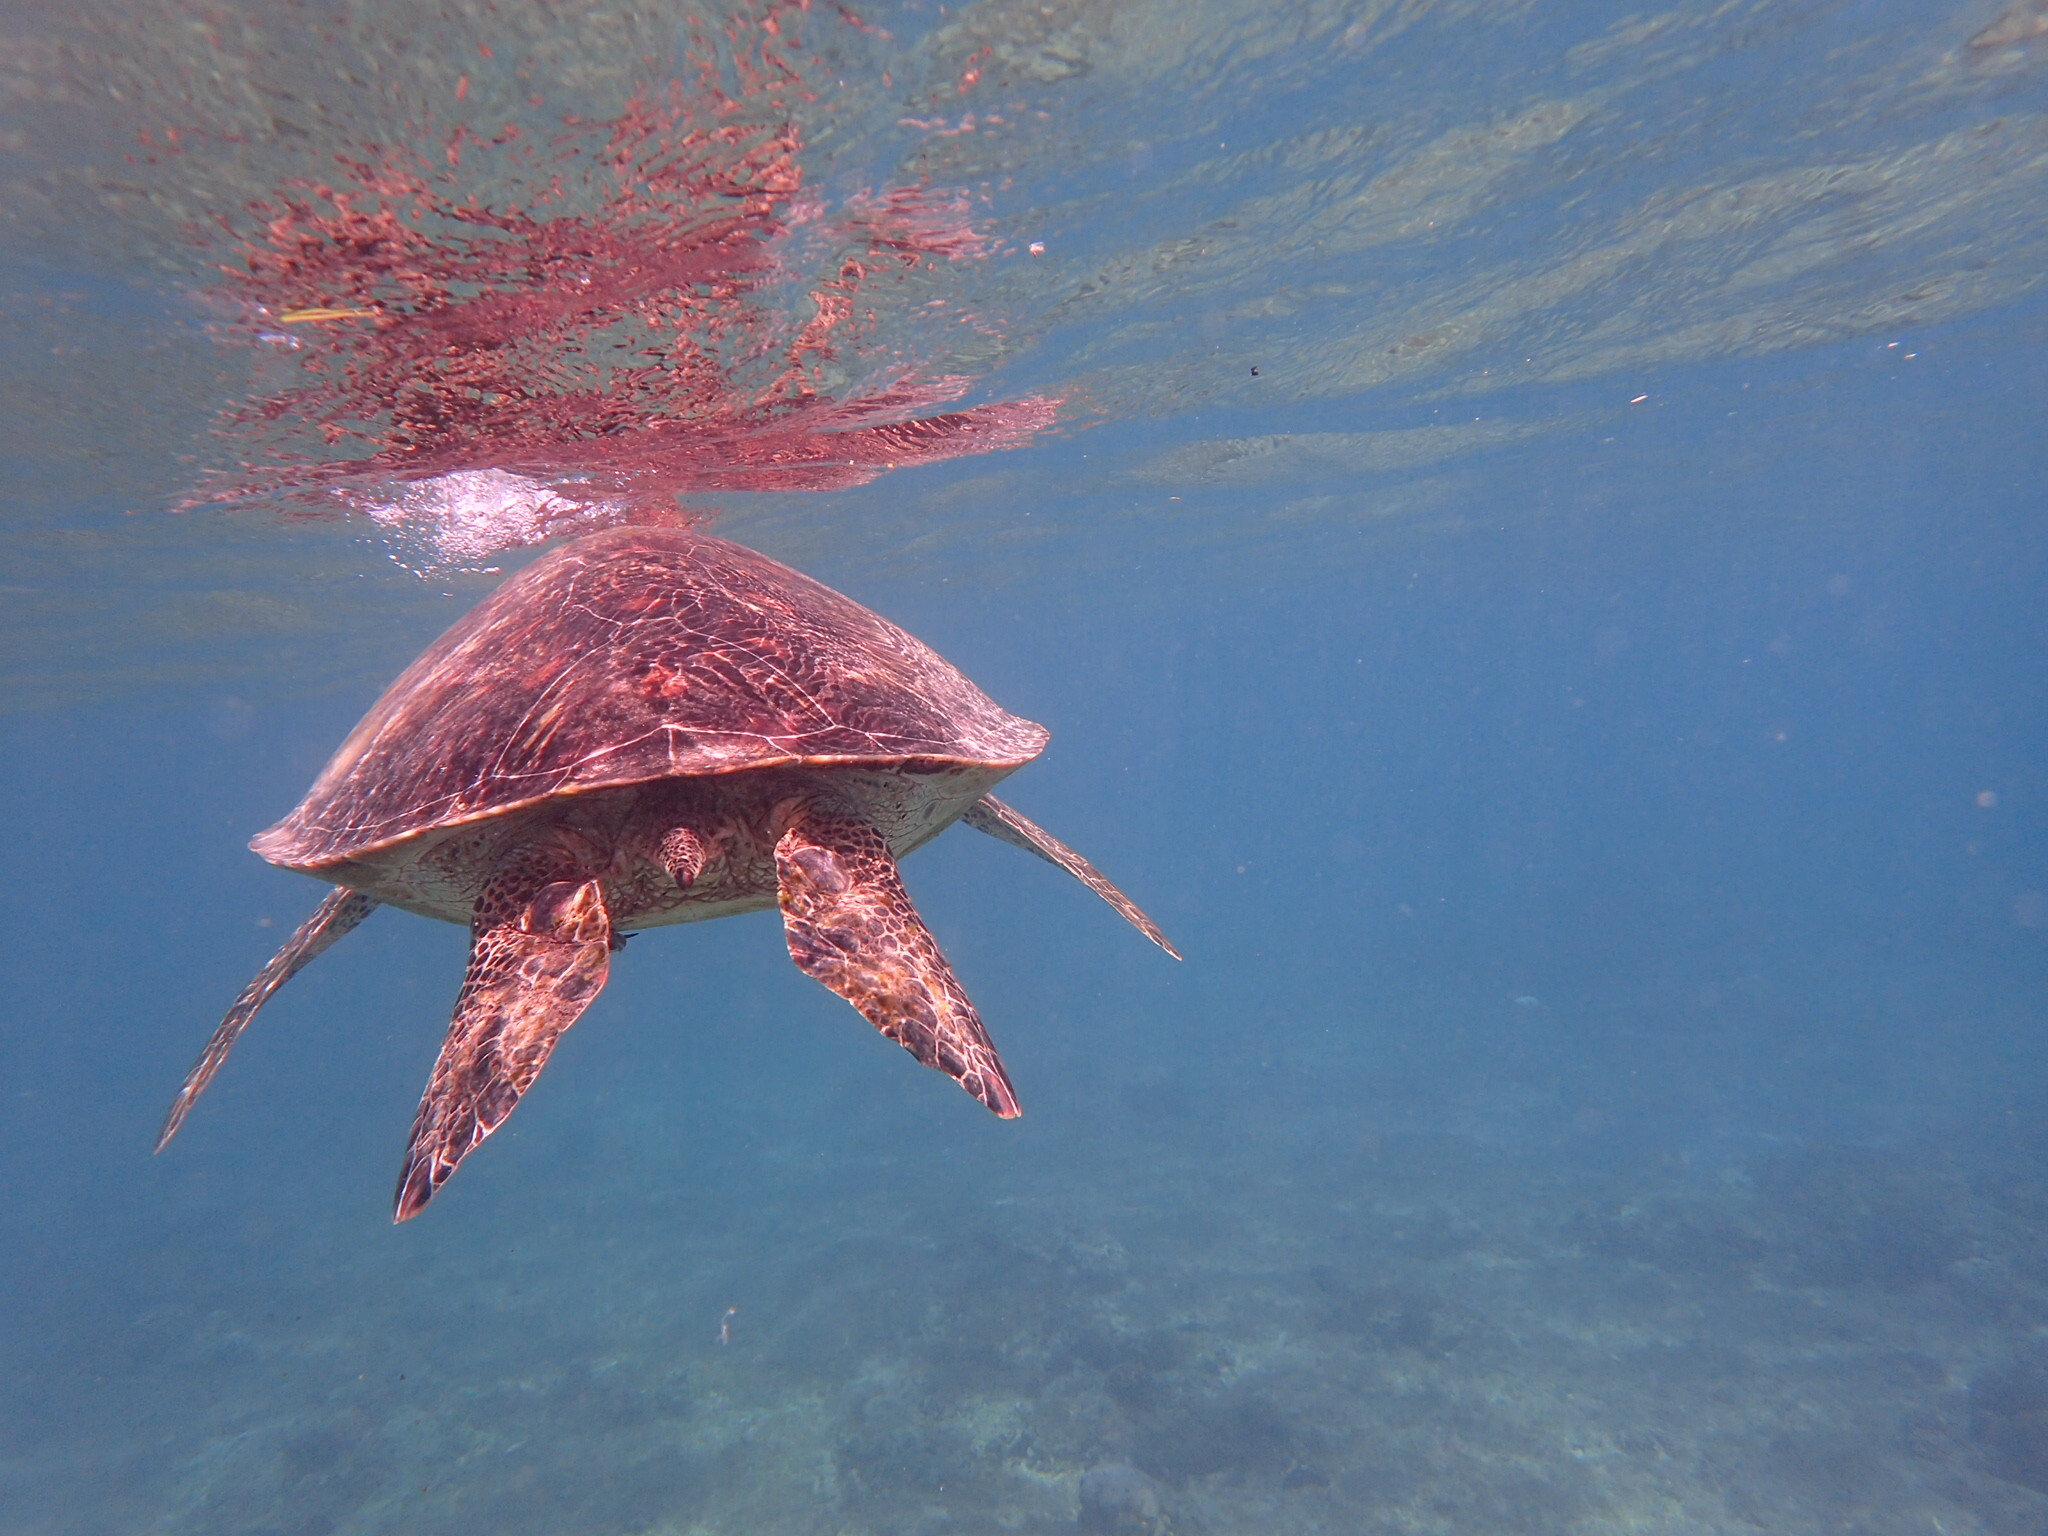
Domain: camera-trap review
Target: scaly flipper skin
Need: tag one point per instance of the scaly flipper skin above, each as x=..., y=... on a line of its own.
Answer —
x=529, y=979
x=851, y=926
x=990, y=815
x=335, y=916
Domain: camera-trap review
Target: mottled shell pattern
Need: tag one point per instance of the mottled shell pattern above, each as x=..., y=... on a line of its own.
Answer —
x=630, y=656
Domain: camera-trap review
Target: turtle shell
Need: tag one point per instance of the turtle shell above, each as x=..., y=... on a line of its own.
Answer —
x=633, y=655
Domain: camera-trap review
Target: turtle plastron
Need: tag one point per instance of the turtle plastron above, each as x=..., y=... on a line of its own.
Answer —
x=851, y=925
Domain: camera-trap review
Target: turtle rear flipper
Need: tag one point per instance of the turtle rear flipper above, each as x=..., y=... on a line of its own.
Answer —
x=529, y=979
x=1005, y=824
x=335, y=916
x=850, y=925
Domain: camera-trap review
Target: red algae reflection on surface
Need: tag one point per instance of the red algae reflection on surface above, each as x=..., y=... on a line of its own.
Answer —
x=497, y=338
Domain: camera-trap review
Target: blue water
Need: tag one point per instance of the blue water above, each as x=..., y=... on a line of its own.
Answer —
x=1605, y=1088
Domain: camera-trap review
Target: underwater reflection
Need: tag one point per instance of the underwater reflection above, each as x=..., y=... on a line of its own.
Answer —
x=495, y=338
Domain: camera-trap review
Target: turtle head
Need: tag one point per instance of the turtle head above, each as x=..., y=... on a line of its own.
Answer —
x=682, y=855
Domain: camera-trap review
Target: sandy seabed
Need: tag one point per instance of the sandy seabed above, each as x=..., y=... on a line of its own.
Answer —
x=1188, y=1328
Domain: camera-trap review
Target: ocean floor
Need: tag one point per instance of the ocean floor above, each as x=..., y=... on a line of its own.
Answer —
x=1161, y=1320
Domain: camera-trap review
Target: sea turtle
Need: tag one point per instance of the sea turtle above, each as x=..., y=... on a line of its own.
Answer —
x=652, y=726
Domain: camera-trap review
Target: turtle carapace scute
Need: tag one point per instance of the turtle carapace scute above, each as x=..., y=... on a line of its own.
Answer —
x=652, y=726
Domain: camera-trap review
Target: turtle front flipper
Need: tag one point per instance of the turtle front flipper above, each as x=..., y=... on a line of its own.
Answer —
x=529, y=979
x=335, y=916
x=851, y=926
x=1005, y=824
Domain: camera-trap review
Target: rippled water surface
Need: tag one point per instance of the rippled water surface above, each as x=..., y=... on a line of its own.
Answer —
x=1525, y=526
